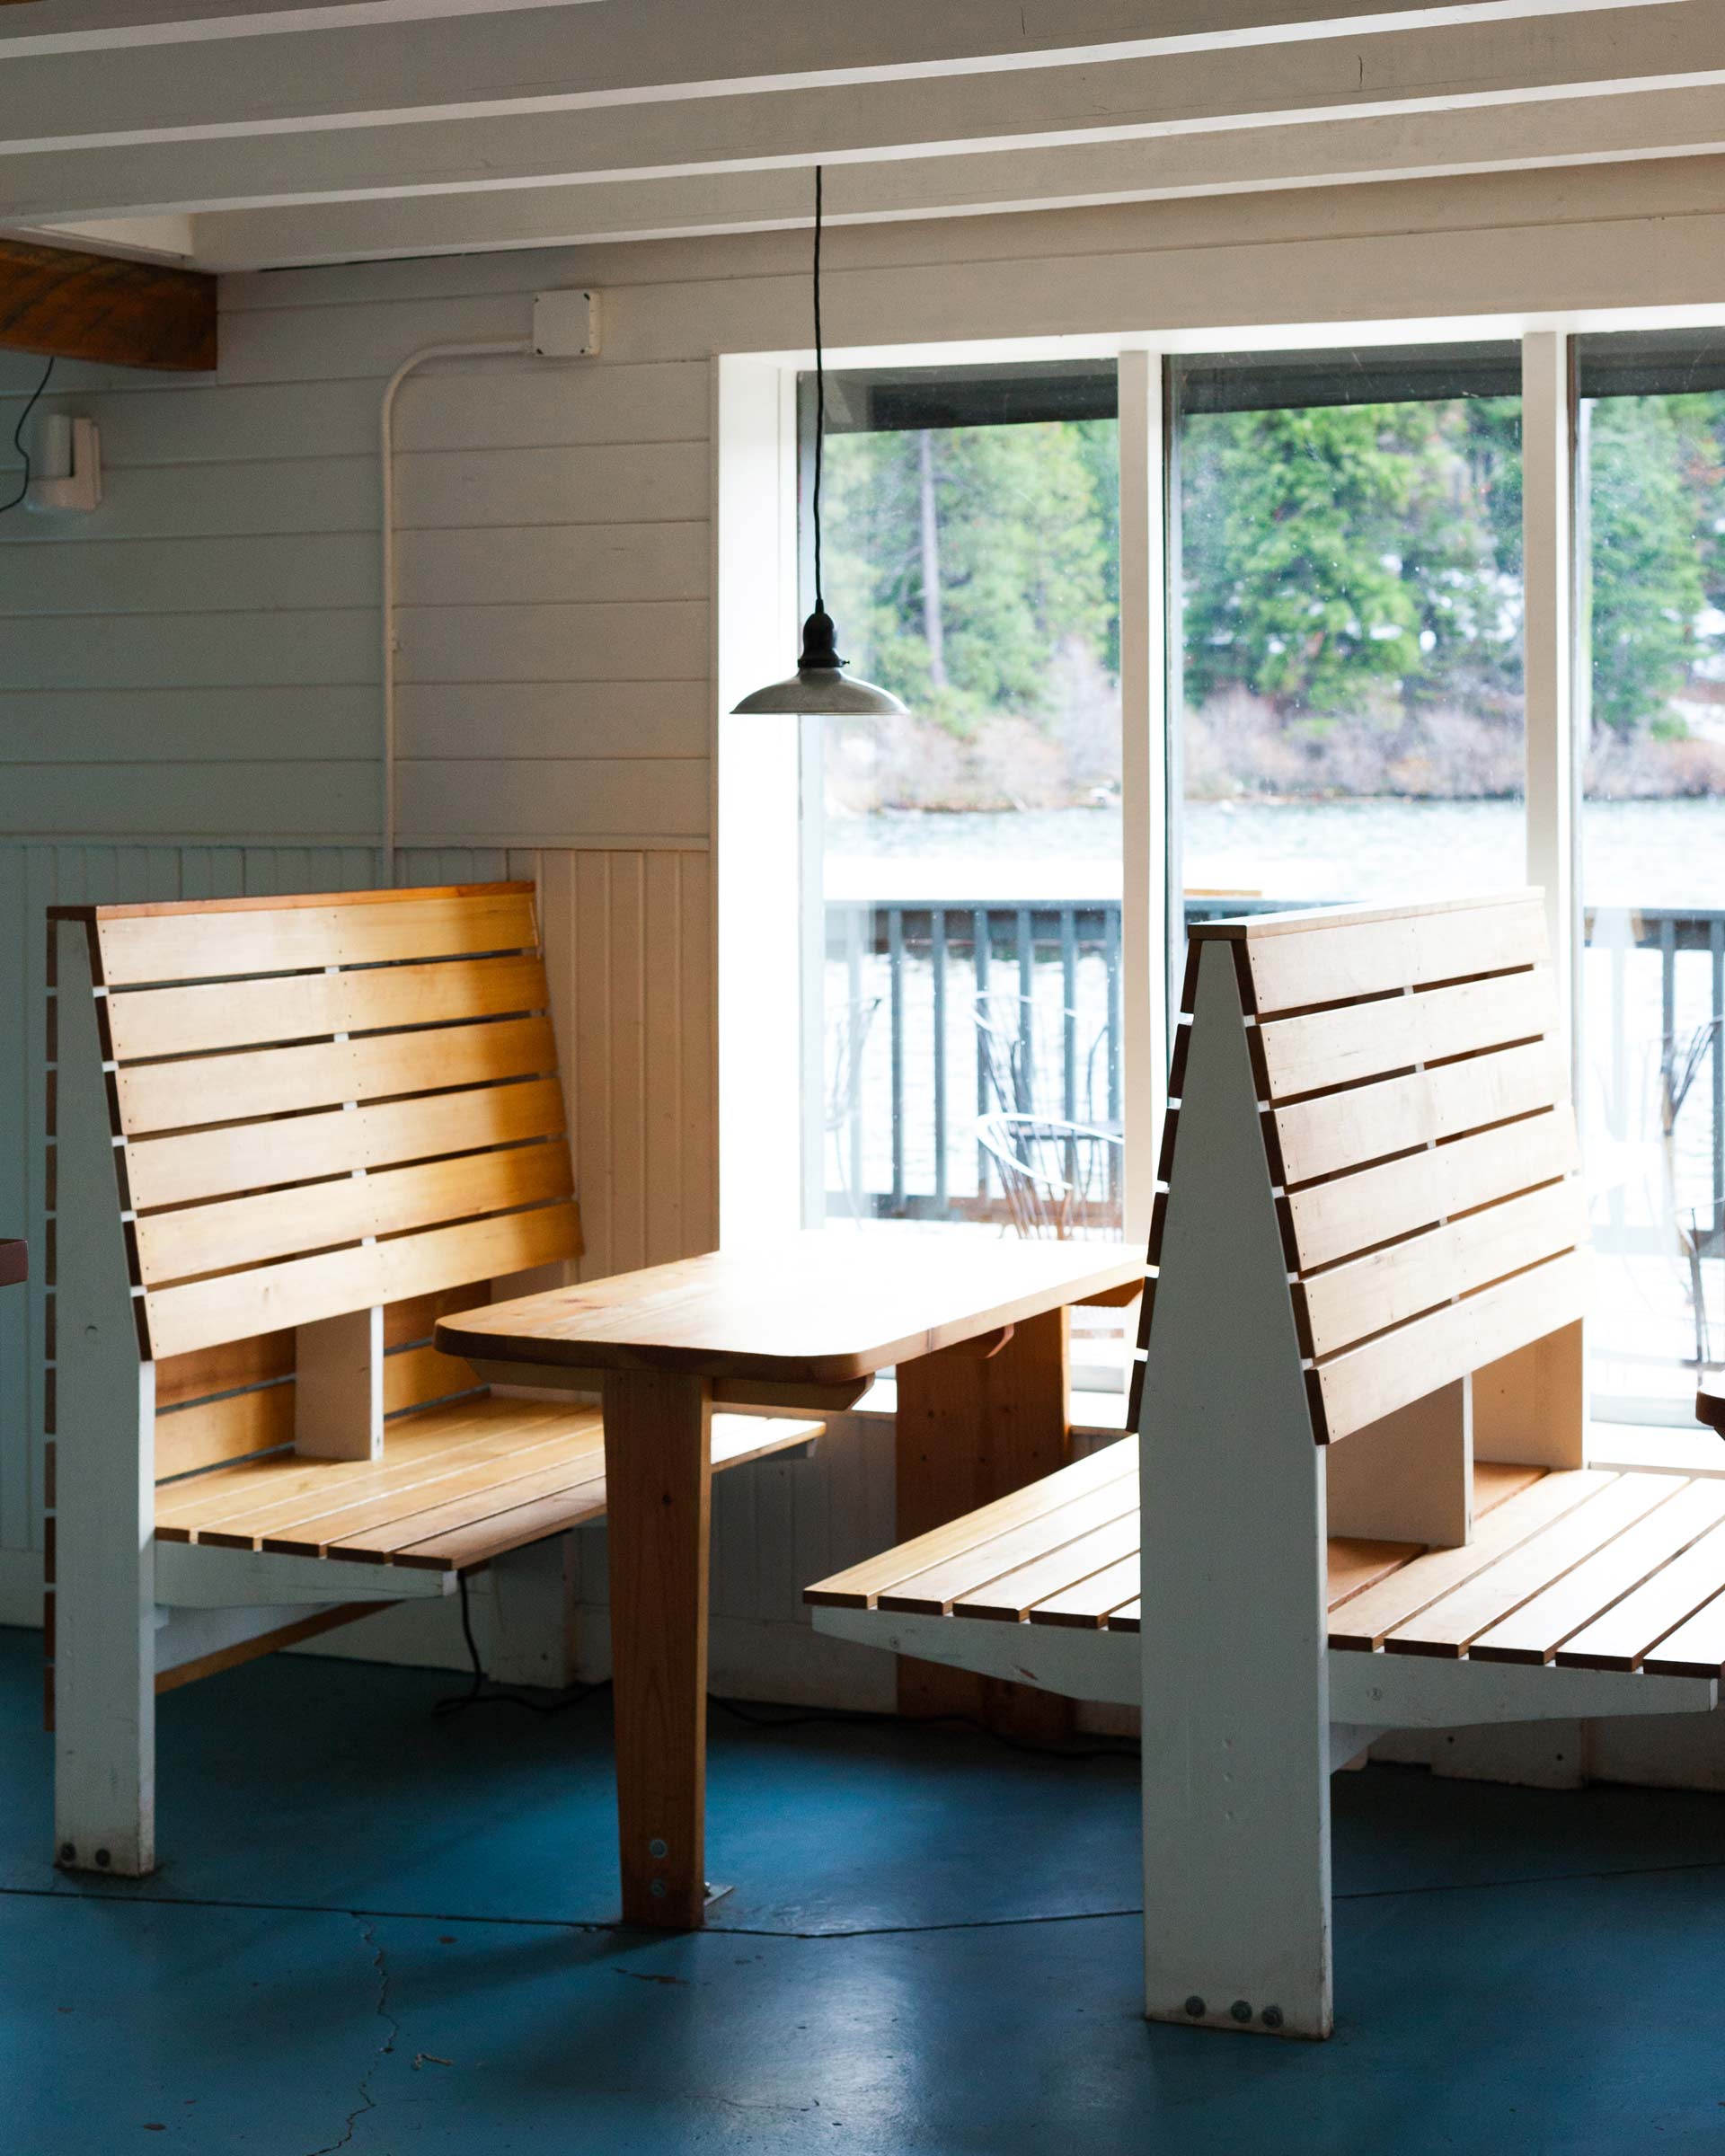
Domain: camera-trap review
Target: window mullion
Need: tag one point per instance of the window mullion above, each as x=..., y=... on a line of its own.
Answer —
x=1143, y=779
x=1548, y=580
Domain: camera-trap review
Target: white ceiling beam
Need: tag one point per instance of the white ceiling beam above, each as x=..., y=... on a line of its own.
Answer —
x=1569, y=132
x=430, y=64
x=1241, y=91
x=56, y=26
x=165, y=239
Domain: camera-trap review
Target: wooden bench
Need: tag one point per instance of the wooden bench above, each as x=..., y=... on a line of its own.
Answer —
x=286, y=1136
x=1365, y=1504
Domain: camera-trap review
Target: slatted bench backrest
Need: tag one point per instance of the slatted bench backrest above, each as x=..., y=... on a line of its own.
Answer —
x=1415, y=1112
x=320, y=1105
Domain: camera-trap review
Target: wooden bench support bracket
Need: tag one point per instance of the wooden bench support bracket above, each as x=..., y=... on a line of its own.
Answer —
x=1384, y=1692
x=339, y=1387
x=200, y=1643
x=190, y=1576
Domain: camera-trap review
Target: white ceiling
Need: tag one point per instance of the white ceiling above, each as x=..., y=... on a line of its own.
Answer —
x=270, y=133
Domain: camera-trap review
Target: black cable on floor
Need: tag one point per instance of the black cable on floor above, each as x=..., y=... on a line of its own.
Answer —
x=477, y=1693
x=752, y=1716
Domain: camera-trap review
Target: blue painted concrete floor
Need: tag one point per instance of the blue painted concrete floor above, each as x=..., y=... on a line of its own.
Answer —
x=378, y=1931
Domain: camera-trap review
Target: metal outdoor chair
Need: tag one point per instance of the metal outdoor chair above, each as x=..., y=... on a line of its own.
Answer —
x=847, y=1035
x=1060, y=1179
x=1021, y=1049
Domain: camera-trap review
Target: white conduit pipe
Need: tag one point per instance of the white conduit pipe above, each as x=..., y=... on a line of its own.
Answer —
x=516, y=346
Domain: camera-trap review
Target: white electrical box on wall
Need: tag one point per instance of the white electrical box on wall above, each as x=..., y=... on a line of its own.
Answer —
x=65, y=472
x=565, y=324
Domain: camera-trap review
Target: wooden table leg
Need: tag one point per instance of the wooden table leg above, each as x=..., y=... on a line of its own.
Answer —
x=971, y=1427
x=658, y=1475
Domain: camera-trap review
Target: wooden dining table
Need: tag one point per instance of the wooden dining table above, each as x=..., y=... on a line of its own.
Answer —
x=976, y=1329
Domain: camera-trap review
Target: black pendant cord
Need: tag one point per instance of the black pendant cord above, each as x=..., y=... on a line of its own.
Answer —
x=820, y=397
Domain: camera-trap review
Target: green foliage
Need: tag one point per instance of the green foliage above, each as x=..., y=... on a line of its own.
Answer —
x=1348, y=558
x=1647, y=573
x=1347, y=567
x=1027, y=551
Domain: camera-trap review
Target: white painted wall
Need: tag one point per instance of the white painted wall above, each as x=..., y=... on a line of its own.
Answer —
x=188, y=678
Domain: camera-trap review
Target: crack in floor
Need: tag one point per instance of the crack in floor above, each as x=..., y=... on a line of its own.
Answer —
x=599, y=1925
x=368, y=2101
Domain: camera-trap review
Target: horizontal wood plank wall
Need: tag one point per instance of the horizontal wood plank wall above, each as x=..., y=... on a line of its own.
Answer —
x=632, y=1040
x=200, y=655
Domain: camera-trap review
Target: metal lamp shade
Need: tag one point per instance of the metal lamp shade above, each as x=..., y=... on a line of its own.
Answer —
x=820, y=688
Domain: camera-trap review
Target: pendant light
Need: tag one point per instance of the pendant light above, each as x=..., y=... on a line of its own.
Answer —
x=820, y=688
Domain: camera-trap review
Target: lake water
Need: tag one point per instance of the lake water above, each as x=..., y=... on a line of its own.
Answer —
x=1636, y=853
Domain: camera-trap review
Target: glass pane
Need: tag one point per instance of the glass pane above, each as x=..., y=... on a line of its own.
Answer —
x=1653, y=863
x=967, y=971
x=1350, y=530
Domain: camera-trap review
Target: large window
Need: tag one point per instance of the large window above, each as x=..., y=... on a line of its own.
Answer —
x=964, y=966
x=1652, y=1097
x=1345, y=653
x=1349, y=581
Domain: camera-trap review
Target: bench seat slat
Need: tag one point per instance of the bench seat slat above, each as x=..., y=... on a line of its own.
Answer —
x=301, y=1290
x=1013, y=1595
x=504, y=1489
x=458, y=1485
x=735, y=1439
x=1356, y=1563
x=1365, y=1295
x=1351, y=1042
x=1333, y=1132
x=1534, y=1632
x=1496, y=1482
x=1363, y=1621
x=213, y=940
x=1695, y=1649
x=311, y=1217
x=1099, y=1572
x=932, y=1591
x=308, y=1006
x=1449, y=1626
x=1088, y=1602
x=306, y=1524
x=279, y=1082
x=857, y=1586
x=395, y=1518
x=193, y=1165
x=261, y=1494
x=1623, y=1635
x=1330, y=1221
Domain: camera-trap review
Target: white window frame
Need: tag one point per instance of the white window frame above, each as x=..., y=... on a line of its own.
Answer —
x=763, y=1042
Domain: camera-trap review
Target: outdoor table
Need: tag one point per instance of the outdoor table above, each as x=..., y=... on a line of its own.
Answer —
x=977, y=1330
